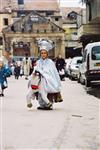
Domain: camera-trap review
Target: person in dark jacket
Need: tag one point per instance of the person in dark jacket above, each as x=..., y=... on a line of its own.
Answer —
x=17, y=71
x=60, y=65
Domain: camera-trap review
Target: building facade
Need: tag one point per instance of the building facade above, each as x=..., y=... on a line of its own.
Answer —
x=90, y=31
x=33, y=20
x=70, y=15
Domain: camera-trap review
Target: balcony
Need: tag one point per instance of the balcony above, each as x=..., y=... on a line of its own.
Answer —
x=89, y=29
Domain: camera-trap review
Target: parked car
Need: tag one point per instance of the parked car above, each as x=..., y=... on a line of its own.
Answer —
x=90, y=67
x=74, y=67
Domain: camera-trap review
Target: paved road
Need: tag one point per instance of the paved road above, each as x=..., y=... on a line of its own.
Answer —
x=71, y=125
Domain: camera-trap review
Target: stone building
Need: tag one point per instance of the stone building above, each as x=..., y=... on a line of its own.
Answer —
x=5, y=20
x=70, y=15
x=90, y=31
x=33, y=20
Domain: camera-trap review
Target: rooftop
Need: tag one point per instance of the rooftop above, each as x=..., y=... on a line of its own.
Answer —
x=66, y=10
x=51, y=5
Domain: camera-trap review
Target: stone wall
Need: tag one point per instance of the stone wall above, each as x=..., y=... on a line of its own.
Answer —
x=57, y=38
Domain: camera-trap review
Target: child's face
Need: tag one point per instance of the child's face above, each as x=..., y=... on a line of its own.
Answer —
x=1, y=64
x=44, y=54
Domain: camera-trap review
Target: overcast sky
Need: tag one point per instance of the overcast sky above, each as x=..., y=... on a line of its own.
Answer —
x=70, y=3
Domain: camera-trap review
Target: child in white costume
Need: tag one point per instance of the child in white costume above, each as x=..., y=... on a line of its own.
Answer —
x=50, y=80
x=33, y=89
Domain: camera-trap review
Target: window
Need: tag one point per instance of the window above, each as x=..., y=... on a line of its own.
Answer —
x=20, y=2
x=48, y=13
x=1, y=41
x=79, y=61
x=5, y=21
x=96, y=53
x=74, y=33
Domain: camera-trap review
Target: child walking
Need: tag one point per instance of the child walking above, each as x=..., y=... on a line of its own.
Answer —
x=4, y=73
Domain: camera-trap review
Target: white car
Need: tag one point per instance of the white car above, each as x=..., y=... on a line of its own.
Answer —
x=74, y=67
x=90, y=67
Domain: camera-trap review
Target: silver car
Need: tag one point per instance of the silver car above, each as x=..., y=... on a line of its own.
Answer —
x=74, y=67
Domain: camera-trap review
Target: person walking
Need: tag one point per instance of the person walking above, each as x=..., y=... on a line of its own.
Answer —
x=17, y=71
x=60, y=65
x=26, y=66
x=4, y=73
x=50, y=80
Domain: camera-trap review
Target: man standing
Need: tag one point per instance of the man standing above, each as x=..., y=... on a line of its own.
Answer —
x=26, y=65
x=60, y=64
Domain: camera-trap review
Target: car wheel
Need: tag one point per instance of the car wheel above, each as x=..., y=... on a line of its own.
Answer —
x=71, y=77
x=78, y=79
x=87, y=83
x=81, y=80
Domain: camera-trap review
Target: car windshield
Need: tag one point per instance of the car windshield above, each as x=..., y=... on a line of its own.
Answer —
x=76, y=61
x=96, y=53
x=79, y=61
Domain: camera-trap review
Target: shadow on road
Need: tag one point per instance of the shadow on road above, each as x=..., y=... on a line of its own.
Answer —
x=94, y=90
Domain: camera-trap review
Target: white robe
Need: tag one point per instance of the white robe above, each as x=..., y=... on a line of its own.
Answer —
x=27, y=66
x=50, y=80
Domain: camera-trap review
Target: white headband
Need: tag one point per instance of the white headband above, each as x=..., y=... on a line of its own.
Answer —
x=44, y=48
x=45, y=44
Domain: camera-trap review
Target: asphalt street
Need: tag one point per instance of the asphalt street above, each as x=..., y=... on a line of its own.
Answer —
x=73, y=124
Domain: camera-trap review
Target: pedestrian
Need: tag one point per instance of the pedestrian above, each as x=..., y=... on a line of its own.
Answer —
x=21, y=71
x=50, y=80
x=4, y=73
x=32, y=66
x=26, y=66
x=17, y=71
x=60, y=65
x=12, y=66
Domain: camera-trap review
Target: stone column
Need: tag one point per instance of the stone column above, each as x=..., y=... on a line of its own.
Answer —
x=59, y=46
x=63, y=47
x=33, y=49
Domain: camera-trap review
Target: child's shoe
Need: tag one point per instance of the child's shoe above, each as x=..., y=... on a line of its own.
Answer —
x=2, y=95
x=49, y=105
x=29, y=105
